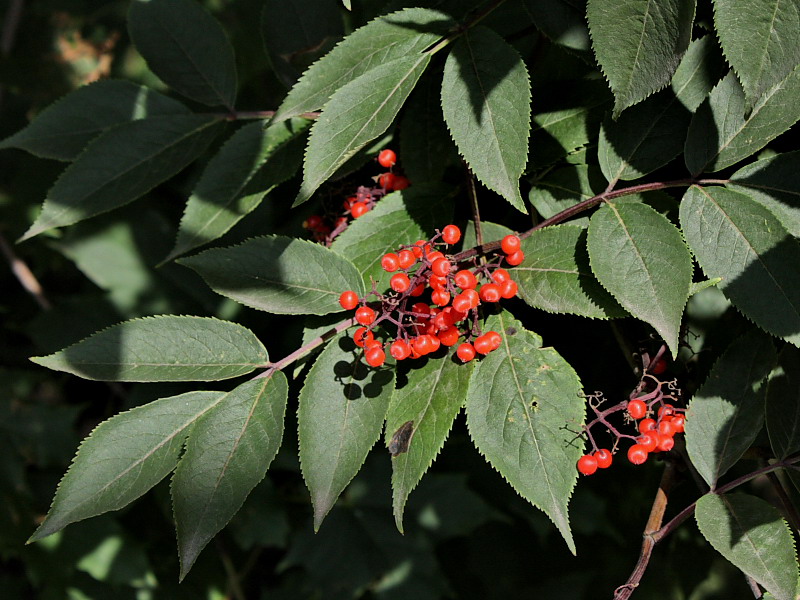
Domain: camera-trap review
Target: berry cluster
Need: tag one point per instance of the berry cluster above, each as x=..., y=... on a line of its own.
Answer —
x=326, y=227
x=433, y=301
x=658, y=421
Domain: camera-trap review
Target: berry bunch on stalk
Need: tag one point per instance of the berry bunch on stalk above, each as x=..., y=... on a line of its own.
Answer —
x=326, y=227
x=651, y=408
x=433, y=301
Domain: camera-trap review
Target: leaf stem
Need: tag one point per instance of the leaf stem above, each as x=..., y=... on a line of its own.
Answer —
x=24, y=275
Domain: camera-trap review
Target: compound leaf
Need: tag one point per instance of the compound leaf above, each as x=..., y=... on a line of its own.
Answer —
x=356, y=114
x=727, y=412
x=723, y=131
x=783, y=409
x=486, y=101
x=521, y=399
x=750, y=533
x=227, y=453
x=122, y=164
x=340, y=415
x=62, y=130
x=741, y=241
x=759, y=39
x=124, y=457
x=639, y=44
x=186, y=47
x=555, y=275
x=430, y=399
x=279, y=274
x=641, y=258
x=165, y=348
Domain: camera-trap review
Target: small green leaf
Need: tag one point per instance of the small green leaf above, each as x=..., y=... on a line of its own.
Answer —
x=521, y=400
x=227, y=453
x=697, y=74
x=723, y=131
x=278, y=274
x=342, y=407
x=430, y=399
x=759, y=39
x=356, y=114
x=165, y=348
x=727, y=412
x=641, y=258
x=639, y=44
x=122, y=164
x=750, y=533
x=699, y=286
x=63, y=129
x=564, y=188
x=252, y=162
x=783, y=409
x=775, y=183
x=486, y=101
x=738, y=239
x=186, y=47
x=400, y=218
x=380, y=41
x=562, y=21
x=124, y=457
x=555, y=275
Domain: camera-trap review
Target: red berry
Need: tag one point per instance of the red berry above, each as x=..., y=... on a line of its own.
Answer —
x=500, y=275
x=648, y=440
x=462, y=303
x=494, y=338
x=637, y=454
x=658, y=367
x=483, y=344
x=678, y=421
x=400, y=350
x=406, y=258
x=665, y=443
x=440, y=297
x=390, y=262
x=466, y=352
x=375, y=356
x=637, y=409
x=422, y=309
x=508, y=289
x=587, y=464
x=359, y=209
x=516, y=258
x=510, y=244
x=387, y=158
x=473, y=297
x=361, y=336
x=400, y=282
x=387, y=181
x=348, y=204
x=437, y=282
x=451, y=234
x=312, y=223
x=443, y=320
x=424, y=344
x=465, y=280
x=419, y=246
x=604, y=458
x=646, y=425
x=417, y=291
x=401, y=183
x=490, y=292
x=448, y=336
x=666, y=428
x=348, y=300
x=365, y=315
x=666, y=411
x=433, y=256
x=441, y=267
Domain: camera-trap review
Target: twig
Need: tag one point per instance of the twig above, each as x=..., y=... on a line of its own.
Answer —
x=24, y=275
x=234, y=585
x=473, y=200
x=260, y=114
x=757, y=593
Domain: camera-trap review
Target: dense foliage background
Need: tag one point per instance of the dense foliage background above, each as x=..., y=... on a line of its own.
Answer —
x=468, y=533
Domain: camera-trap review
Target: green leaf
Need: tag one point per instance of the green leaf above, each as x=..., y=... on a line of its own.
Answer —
x=520, y=401
x=698, y=73
x=723, y=131
x=227, y=454
x=356, y=114
x=186, y=47
x=562, y=21
x=750, y=533
x=699, y=286
x=564, y=188
x=645, y=138
x=63, y=129
x=639, y=44
x=430, y=399
x=486, y=101
x=727, y=412
x=759, y=39
x=124, y=457
x=783, y=409
x=252, y=162
x=399, y=218
x=491, y=232
x=775, y=183
x=342, y=407
x=279, y=274
x=401, y=34
x=122, y=164
x=641, y=258
x=738, y=239
x=165, y=348
x=555, y=275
